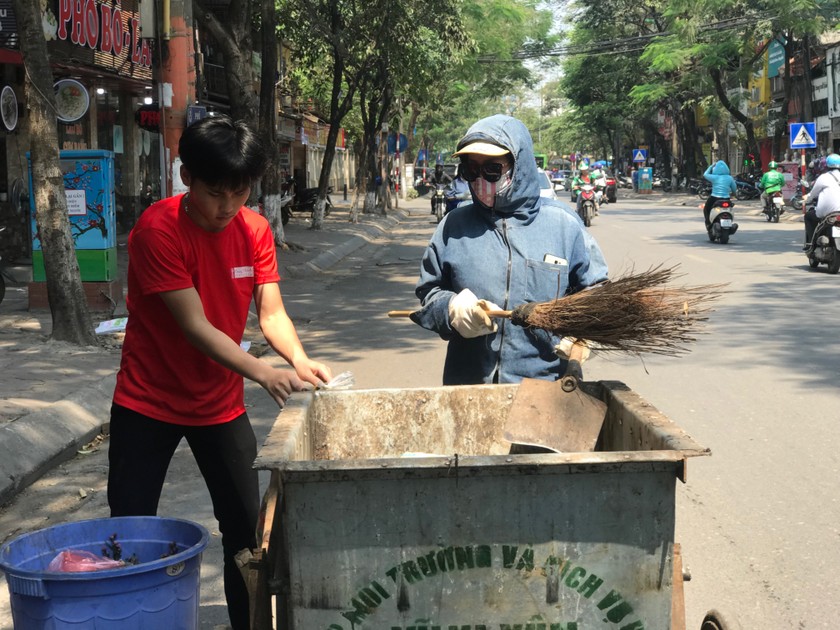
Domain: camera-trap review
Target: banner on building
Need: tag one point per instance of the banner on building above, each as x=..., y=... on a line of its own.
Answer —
x=832, y=66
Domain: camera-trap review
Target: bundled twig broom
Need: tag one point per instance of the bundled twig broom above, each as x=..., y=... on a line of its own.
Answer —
x=635, y=313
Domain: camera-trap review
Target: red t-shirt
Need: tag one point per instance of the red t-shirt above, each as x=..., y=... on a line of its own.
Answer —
x=161, y=374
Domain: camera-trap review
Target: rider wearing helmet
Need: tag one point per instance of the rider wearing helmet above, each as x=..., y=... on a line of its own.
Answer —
x=772, y=181
x=824, y=197
x=585, y=177
x=438, y=177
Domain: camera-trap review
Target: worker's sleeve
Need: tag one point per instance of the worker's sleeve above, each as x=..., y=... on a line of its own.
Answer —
x=434, y=293
x=593, y=267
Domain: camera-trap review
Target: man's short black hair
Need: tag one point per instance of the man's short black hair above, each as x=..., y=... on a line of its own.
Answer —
x=223, y=153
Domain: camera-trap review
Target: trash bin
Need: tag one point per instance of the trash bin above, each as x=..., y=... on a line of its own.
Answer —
x=158, y=592
x=403, y=508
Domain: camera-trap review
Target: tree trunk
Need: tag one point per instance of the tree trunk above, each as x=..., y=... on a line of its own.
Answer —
x=71, y=319
x=746, y=122
x=234, y=38
x=271, y=190
x=781, y=123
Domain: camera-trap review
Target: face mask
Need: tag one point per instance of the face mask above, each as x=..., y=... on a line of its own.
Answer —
x=485, y=192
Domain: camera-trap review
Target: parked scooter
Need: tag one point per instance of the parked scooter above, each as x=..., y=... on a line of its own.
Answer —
x=746, y=188
x=774, y=206
x=798, y=199
x=825, y=245
x=587, y=204
x=722, y=221
x=700, y=187
x=304, y=201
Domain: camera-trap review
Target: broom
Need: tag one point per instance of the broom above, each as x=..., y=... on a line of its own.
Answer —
x=635, y=313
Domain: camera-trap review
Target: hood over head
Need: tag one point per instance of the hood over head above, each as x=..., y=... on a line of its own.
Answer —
x=523, y=195
x=720, y=168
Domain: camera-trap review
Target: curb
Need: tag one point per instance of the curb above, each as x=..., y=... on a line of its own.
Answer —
x=332, y=256
x=34, y=443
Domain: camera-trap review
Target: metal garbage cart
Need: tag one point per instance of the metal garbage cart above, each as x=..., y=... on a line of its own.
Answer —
x=402, y=509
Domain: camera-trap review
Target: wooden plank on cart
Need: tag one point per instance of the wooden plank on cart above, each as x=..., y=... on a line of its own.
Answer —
x=678, y=592
x=260, y=566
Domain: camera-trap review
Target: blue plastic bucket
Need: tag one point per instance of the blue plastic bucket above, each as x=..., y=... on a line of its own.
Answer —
x=156, y=593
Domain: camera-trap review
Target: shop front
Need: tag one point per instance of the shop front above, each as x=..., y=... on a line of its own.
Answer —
x=102, y=70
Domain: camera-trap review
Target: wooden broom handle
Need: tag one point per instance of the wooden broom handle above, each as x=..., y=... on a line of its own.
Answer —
x=502, y=314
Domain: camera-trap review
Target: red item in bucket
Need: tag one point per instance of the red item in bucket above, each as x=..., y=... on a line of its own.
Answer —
x=73, y=561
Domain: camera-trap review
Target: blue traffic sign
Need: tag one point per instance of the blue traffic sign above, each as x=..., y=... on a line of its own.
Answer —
x=195, y=113
x=640, y=155
x=803, y=135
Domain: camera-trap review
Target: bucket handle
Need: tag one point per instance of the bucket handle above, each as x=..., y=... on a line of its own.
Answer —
x=33, y=587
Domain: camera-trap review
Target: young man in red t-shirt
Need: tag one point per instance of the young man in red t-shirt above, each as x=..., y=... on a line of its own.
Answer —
x=195, y=263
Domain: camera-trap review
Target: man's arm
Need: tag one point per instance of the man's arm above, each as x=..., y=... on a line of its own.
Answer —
x=279, y=331
x=187, y=310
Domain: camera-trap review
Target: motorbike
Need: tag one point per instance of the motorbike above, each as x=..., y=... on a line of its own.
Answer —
x=439, y=201
x=587, y=204
x=746, y=188
x=798, y=199
x=304, y=201
x=700, y=187
x=722, y=221
x=774, y=206
x=825, y=247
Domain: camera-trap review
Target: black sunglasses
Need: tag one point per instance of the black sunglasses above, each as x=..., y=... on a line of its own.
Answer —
x=489, y=171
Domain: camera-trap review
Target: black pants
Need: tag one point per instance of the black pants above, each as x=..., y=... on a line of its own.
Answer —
x=139, y=454
x=811, y=222
x=710, y=202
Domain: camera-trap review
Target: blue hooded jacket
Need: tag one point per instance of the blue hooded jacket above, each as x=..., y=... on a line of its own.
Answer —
x=723, y=184
x=526, y=249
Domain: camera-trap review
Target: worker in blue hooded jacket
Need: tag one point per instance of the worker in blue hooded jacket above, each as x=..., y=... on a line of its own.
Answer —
x=509, y=247
x=723, y=185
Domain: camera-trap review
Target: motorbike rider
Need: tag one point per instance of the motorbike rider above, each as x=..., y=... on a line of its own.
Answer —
x=458, y=191
x=509, y=247
x=584, y=177
x=599, y=176
x=824, y=198
x=723, y=185
x=438, y=177
x=772, y=181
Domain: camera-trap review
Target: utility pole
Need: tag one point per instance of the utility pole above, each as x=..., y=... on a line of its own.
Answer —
x=176, y=86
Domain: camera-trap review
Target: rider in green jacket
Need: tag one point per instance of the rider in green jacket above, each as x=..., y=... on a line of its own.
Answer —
x=772, y=181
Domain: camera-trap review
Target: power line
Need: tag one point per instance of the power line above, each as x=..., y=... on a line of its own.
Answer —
x=615, y=46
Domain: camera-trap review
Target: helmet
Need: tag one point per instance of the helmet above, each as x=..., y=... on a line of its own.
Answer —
x=772, y=165
x=832, y=161
x=584, y=167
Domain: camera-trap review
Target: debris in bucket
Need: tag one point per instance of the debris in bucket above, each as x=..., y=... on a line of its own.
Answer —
x=79, y=561
x=113, y=549
x=173, y=549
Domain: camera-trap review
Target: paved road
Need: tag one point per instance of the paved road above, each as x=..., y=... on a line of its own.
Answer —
x=757, y=519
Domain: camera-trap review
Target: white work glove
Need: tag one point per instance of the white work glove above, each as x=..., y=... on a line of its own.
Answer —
x=564, y=348
x=467, y=315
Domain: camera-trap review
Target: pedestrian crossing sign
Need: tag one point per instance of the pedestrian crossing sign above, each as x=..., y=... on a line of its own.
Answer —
x=803, y=135
x=639, y=155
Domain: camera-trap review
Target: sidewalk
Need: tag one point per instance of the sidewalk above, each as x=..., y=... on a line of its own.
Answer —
x=55, y=397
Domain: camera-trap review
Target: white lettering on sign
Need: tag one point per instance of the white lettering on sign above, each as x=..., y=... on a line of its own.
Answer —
x=100, y=27
x=76, y=202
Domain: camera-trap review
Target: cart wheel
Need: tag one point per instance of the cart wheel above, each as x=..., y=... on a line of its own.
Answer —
x=715, y=621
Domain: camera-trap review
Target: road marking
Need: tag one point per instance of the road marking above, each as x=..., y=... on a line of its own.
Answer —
x=697, y=258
